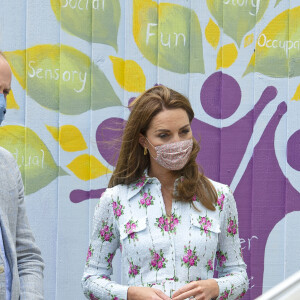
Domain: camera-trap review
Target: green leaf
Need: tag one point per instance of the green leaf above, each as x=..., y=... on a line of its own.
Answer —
x=237, y=17
x=95, y=21
x=35, y=161
x=173, y=41
x=61, y=79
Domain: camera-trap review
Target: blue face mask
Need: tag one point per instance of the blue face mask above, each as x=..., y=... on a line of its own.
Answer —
x=2, y=107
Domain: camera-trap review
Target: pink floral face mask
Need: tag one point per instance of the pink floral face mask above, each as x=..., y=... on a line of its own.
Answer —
x=173, y=156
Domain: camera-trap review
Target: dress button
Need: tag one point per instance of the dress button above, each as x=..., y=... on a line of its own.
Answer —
x=1, y=269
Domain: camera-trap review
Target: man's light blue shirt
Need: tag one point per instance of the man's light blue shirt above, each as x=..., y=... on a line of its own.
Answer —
x=8, y=278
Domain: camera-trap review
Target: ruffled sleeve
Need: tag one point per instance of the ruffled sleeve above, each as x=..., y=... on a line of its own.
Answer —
x=96, y=282
x=233, y=280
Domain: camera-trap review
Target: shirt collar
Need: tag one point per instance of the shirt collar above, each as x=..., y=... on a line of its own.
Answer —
x=136, y=186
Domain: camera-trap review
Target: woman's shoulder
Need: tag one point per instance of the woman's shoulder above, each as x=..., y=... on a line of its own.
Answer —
x=220, y=187
x=117, y=190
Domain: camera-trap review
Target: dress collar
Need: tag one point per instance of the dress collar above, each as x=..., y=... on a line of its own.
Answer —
x=136, y=186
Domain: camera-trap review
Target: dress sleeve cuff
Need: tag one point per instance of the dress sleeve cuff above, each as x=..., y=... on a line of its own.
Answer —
x=120, y=292
x=224, y=288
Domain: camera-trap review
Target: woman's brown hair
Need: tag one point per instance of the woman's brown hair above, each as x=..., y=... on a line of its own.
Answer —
x=132, y=162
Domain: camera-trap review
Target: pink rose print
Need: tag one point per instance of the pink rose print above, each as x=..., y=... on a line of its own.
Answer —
x=117, y=208
x=157, y=260
x=109, y=259
x=221, y=258
x=168, y=225
x=232, y=227
x=241, y=295
x=93, y=297
x=146, y=199
x=89, y=254
x=113, y=297
x=225, y=295
x=209, y=265
x=173, y=279
x=220, y=201
x=190, y=258
x=133, y=269
x=205, y=225
x=151, y=284
x=140, y=182
x=104, y=277
x=105, y=233
x=129, y=229
x=195, y=198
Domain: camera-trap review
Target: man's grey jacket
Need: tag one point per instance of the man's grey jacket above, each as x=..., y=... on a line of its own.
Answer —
x=23, y=255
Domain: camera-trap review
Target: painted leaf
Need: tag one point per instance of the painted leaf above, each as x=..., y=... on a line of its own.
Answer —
x=61, y=79
x=277, y=49
x=87, y=167
x=11, y=101
x=277, y=2
x=248, y=40
x=296, y=96
x=95, y=21
x=129, y=74
x=173, y=41
x=237, y=17
x=35, y=161
x=69, y=138
x=226, y=56
x=109, y=139
x=212, y=33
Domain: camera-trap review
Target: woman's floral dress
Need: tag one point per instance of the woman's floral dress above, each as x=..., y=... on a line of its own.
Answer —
x=161, y=252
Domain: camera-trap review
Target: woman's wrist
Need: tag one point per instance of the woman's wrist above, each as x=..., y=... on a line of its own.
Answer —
x=215, y=288
x=131, y=293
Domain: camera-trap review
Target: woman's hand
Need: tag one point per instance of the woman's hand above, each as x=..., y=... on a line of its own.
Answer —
x=199, y=290
x=145, y=293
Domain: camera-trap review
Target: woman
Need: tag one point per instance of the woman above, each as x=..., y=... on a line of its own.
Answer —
x=169, y=220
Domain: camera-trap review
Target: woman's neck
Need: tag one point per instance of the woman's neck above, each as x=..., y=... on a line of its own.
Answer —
x=166, y=177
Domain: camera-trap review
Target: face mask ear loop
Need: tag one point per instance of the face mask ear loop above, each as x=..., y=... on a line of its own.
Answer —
x=149, y=148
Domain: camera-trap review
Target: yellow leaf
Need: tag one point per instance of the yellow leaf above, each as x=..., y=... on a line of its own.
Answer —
x=248, y=40
x=54, y=131
x=277, y=47
x=34, y=159
x=129, y=74
x=212, y=33
x=69, y=138
x=87, y=167
x=226, y=56
x=296, y=97
x=11, y=101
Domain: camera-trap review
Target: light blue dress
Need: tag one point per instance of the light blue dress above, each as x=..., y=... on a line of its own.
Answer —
x=161, y=252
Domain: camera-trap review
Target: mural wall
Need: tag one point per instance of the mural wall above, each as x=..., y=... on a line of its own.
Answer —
x=77, y=64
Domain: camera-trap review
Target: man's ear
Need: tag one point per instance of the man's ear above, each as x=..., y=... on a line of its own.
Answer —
x=142, y=140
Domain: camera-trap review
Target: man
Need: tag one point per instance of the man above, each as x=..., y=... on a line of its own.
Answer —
x=21, y=265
